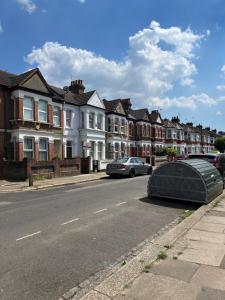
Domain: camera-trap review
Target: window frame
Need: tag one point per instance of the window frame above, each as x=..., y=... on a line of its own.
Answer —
x=41, y=111
x=41, y=150
x=100, y=150
x=91, y=120
x=68, y=120
x=28, y=150
x=99, y=121
x=28, y=108
x=55, y=116
x=70, y=148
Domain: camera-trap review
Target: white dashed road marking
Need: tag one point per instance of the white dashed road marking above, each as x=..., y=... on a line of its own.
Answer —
x=27, y=236
x=98, y=211
x=70, y=221
x=121, y=203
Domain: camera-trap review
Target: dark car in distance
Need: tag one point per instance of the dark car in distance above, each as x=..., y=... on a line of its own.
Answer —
x=128, y=166
x=217, y=159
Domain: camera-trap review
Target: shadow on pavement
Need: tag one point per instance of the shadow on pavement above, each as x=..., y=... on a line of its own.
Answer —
x=171, y=203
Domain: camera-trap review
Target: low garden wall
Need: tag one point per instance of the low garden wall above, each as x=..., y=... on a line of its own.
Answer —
x=21, y=170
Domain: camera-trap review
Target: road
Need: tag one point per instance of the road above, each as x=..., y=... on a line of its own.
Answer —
x=51, y=240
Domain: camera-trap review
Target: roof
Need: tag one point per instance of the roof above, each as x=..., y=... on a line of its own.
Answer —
x=11, y=80
x=139, y=114
x=76, y=99
x=154, y=115
x=111, y=105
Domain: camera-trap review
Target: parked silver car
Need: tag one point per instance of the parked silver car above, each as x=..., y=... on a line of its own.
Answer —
x=129, y=166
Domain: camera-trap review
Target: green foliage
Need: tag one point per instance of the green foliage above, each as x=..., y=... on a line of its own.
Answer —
x=166, y=151
x=220, y=144
x=162, y=255
x=147, y=268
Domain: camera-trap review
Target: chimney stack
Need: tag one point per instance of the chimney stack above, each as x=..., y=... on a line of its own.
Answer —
x=77, y=87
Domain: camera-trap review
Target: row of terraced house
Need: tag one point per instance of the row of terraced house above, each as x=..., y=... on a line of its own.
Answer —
x=43, y=122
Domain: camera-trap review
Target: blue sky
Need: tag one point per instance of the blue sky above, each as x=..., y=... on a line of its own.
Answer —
x=162, y=54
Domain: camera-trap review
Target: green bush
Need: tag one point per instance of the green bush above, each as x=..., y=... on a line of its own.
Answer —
x=166, y=151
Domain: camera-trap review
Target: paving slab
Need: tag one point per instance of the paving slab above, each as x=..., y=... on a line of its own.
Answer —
x=93, y=295
x=203, y=256
x=116, y=282
x=210, y=294
x=211, y=227
x=222, y=265
x=216, y=213
x=211, y=237
x=210, y=277
x=203, y=245
x=175, y=268
x=213, y=219
x=157, y=287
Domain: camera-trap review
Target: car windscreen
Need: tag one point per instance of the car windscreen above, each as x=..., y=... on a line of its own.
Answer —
x=120, y=160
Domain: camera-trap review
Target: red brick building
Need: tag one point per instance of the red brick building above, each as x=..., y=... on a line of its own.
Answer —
x=31, y=118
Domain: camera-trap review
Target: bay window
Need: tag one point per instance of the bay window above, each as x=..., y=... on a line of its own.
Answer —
x=91, y=120
x=99, y=121
x=68, y=118
x=43, y=107
x=28, y=147
x=56, y=116
x=43, y=149
x=28, y=109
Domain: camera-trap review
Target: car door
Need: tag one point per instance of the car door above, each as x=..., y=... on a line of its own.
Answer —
x=140, y=166
x=134, y=165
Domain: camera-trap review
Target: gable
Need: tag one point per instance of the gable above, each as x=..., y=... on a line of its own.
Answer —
x=95, y=100
x=35, y=83
x=159, y=120
x=146, y=117
x=119, y=109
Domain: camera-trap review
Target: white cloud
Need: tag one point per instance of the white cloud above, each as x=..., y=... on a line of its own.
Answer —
x=219, y=113
x=81, y=1
x=223, y=69
x=28, y=5
x=156, y=61
x=220, y=88
x=190, y=102
x=1, y=28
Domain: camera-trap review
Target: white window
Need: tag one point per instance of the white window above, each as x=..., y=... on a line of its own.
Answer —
x=28, y=108
x=99, y=121
x=28, y=147
x=43, y=149
x=169, y=134
x=91, y=119
x=56, y=116
x=68, y=118
x=100, y=147
x=43, y=107
x=92, y=150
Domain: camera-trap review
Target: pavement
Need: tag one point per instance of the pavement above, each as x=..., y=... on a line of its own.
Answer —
x=187, y=262
x=20, y=186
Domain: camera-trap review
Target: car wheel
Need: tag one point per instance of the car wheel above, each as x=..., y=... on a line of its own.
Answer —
x=132, y=173
x=149, y=171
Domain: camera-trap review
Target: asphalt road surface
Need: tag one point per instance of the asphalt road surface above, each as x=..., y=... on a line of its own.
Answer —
x=51, y=240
